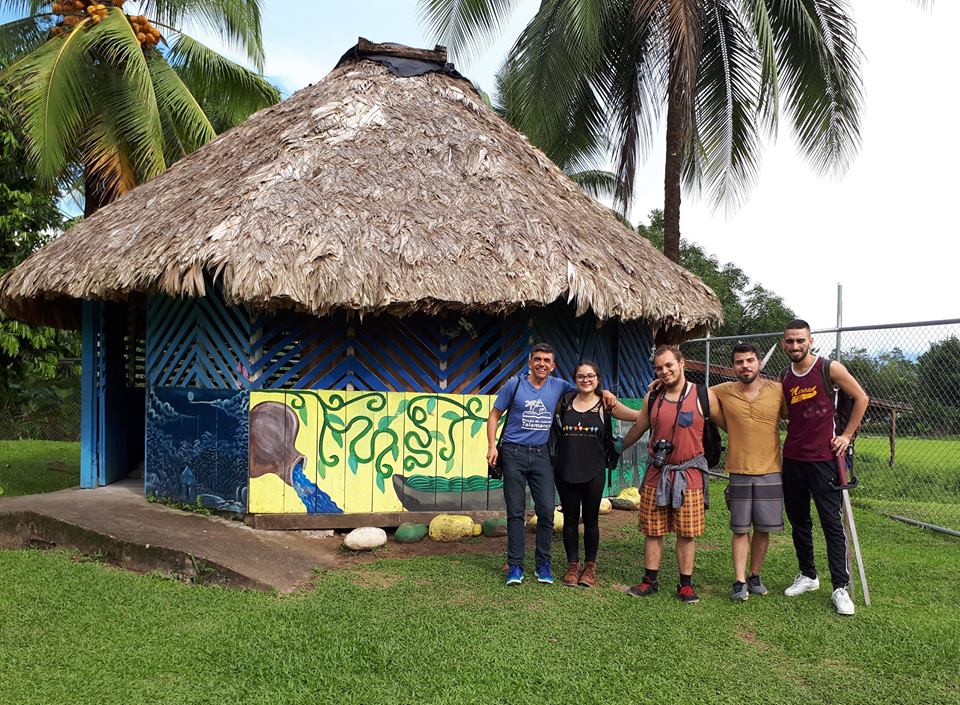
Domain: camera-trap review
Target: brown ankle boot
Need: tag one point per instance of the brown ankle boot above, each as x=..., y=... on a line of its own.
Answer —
x=588, y=577
x=572, y=575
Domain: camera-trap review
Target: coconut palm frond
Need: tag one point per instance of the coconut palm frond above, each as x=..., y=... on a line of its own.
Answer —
x=635, y=91
x=22, y=7
x=107, y=158
x=132, y=101
x=466, y=27
x=820, y=70
x=179, y=108
x=215, y=81
x=50, y=91
x=552, y=78
x=599, y=184
x=22, y=36
x=757, y=14
x=725, y=130
x=237, y=22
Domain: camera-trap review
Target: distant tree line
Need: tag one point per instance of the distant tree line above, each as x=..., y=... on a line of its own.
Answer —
x=748, y=308
x=930, y=384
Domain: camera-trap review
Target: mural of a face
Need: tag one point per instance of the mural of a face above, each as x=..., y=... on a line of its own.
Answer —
x=273, y=430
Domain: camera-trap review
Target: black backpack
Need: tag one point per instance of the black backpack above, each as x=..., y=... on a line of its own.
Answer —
x=842, y=402
x=712, y=443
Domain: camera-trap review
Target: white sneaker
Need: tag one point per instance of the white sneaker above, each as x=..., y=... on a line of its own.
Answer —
x=841, y=600
x=802, y=584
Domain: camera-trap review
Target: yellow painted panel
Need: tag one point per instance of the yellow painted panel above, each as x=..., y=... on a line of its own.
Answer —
x=474, y=445
x=366, y=451
x=270, y=451
x=449, y=451
x=364, y=412
x=301, y=493
x=419, y=447
x=331, y=444
x=387, y=459
x=266, y=495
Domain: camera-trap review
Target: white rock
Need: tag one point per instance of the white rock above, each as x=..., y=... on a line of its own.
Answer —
x=605, y=506
x=366, y=538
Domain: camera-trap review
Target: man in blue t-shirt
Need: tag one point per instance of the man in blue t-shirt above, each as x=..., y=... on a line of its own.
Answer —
x=526, y=459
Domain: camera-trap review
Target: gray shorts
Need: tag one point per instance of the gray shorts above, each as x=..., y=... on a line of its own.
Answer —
x=755, y=500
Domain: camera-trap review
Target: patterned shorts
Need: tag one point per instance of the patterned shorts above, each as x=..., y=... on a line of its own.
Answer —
x=755, y=500
x=687, y=521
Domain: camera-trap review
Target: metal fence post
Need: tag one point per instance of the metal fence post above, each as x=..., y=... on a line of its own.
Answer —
x=707, y=361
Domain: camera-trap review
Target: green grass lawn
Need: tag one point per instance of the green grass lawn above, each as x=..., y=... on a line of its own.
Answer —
x=444, y=630
x=924, y=484
x=30, y=467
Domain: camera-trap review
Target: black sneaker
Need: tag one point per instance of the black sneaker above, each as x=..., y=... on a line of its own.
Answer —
x=687, y=594
x=645, y=588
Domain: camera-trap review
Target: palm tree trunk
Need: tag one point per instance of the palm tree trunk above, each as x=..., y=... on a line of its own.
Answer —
x=671, y=177
x=96, y=193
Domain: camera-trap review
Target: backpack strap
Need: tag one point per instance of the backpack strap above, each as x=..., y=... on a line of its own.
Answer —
x=825, y=372
x=704, y=398
x=506, y=413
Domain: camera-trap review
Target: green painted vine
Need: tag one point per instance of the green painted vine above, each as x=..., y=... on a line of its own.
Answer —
x=419, y=441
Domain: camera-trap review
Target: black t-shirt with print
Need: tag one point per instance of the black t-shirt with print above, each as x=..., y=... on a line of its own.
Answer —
x=580, y=452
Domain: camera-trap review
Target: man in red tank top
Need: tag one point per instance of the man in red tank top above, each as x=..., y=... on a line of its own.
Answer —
x=810, y=460
x=673, y=494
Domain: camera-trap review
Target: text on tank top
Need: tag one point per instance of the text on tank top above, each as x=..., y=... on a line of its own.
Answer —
x=810, y=411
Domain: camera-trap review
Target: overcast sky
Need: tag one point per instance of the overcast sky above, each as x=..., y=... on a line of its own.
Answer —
x=885, y=230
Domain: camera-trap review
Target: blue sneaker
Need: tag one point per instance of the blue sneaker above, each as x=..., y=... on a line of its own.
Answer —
x=514, y=575
x=544, y=575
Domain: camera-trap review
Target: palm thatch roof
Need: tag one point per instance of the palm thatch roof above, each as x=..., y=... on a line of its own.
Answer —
x=368, y=192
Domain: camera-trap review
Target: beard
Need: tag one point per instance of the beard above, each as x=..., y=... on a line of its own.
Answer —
x=747, y=377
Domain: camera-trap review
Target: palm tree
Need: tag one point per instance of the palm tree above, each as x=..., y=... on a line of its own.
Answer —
x=607, y=69
x=577, y=153
x=109, y=99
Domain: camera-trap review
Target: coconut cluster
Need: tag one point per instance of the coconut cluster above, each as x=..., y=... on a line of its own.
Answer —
x=74, y=11
x=147, y=34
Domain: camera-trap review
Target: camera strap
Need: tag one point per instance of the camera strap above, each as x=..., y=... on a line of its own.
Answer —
x=676, y=418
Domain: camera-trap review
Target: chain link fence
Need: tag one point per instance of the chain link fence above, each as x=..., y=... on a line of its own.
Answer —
x=908, y=450
x=46, y=410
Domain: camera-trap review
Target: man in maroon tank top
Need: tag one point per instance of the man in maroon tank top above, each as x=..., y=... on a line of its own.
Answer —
x=810, y=460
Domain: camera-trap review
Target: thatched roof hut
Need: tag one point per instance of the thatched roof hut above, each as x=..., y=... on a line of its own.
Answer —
x=371, y=193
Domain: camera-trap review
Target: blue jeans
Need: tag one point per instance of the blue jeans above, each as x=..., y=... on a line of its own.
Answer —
x=528, y=465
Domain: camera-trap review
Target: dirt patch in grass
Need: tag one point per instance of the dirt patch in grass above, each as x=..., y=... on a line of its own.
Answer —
x=749, y=637
x=372, y=578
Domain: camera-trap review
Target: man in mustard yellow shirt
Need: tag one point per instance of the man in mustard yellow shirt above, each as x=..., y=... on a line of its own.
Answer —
x=751, y=410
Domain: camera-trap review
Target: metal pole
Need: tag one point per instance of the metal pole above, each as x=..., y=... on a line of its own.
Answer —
x=850, y=529
x=707, y=373
x=839, y=317
x=856, y=548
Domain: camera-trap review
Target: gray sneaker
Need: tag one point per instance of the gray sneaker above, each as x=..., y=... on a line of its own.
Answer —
x=740, y=592
x=756, y=586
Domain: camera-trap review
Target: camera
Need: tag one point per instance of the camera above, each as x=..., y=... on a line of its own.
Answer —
x=661, y=449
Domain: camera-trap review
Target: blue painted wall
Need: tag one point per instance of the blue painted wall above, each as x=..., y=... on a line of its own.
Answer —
x=196, y=447
x=203, y=355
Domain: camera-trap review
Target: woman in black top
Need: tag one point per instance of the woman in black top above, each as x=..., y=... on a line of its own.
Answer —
x=580, y=469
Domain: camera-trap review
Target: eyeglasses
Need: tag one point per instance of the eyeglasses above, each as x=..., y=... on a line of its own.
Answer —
x=585, y=378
